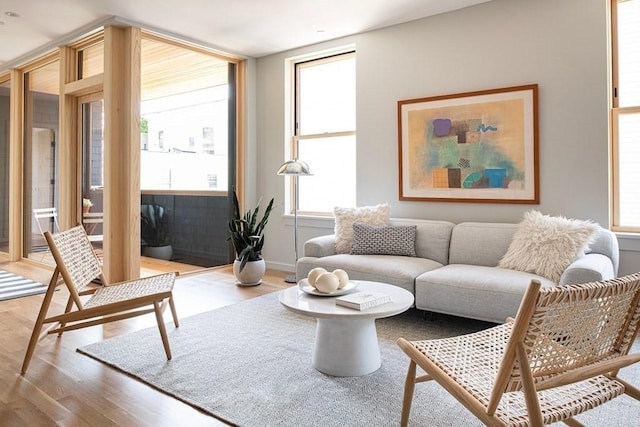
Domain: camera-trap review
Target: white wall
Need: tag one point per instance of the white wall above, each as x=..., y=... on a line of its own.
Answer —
x=559, y=44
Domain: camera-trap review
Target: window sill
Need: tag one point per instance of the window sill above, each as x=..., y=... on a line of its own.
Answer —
x=629, y=241
x=308, y=221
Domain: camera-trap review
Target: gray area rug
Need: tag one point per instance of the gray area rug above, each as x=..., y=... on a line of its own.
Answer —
x=249, y=364
x=14, y=286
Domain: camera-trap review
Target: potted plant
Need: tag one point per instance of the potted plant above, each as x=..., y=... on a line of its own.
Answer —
x=86, y=205
x=154, y=231
x=246, y=235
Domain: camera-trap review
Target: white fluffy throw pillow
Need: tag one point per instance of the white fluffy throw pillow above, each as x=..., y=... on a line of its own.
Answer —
x=345, y=217
x=546, y=245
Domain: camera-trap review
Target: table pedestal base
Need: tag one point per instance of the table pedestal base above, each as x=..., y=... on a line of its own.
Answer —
x=346, y=347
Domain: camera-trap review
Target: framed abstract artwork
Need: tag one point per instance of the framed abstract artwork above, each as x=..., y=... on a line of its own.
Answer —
x=470, y=147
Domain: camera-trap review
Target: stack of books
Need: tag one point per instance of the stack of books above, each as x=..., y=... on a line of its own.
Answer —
x=363, y=300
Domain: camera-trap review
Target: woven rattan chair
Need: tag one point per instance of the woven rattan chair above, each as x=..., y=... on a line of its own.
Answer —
x=78, y=265
x=558, y=358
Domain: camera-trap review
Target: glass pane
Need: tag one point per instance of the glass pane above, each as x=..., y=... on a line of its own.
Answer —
x=4, y=166
x=333, y=164
x=93, y=170
x=92, y=60
x=629, y=53
x=629, y=175
x=184, y=142
x=184, y=124
x=40, y=159
x=327, y=96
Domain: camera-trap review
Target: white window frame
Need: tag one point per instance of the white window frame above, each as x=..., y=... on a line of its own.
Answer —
x=295, y=137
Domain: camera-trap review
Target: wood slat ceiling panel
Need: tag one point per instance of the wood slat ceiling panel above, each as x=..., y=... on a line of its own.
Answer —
x=168, y=69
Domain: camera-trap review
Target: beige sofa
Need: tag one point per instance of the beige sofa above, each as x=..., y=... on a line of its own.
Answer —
x=455, y=270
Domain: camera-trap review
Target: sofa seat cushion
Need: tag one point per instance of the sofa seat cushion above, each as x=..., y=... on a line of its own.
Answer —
x=478, y=292
x=395, y=270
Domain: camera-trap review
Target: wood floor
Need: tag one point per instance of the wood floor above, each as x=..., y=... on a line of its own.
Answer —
x=65, y=388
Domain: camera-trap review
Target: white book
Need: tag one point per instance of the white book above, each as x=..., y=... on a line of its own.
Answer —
x=363, y=300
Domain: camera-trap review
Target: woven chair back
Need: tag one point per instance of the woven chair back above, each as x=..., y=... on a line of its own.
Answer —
x=74, y=257
x=579, y=325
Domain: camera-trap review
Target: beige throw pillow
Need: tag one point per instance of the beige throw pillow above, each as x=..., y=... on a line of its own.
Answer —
x=345, y=217
x=546, y=245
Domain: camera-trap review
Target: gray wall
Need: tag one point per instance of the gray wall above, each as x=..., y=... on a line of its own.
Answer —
x=559, y=44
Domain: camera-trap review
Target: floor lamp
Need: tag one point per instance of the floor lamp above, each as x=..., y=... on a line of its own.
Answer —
x=294, y=168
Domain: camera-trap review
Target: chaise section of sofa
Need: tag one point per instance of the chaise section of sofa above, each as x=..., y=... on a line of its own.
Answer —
x=456, y=268
x=472, y=285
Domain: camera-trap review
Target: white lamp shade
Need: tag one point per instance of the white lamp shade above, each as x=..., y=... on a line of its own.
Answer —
x=294, y=167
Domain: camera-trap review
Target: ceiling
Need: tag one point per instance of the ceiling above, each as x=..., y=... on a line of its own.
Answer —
x=252, y=28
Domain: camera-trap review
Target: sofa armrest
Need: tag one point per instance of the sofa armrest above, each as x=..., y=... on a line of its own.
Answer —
x=589, y=268
x=320, y=246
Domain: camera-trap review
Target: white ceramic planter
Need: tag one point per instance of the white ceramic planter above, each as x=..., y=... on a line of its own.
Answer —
x=251, y=274
x=159, y=252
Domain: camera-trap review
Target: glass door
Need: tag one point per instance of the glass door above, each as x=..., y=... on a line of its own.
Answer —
x=91, y=112
x=41, y=197
x=4, y=166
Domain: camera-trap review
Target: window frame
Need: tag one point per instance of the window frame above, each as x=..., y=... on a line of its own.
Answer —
x=615, y=113
x=297, y=65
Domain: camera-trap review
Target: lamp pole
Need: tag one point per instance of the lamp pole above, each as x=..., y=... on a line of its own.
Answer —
x=294, y=168
x=292, y=278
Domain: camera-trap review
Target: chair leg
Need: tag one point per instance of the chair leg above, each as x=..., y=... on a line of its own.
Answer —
x=629, y=389
x=409, y=387
x=163, y=330
x=528, y=387
x=174, y=313
x=66, y=310
x=37, y=328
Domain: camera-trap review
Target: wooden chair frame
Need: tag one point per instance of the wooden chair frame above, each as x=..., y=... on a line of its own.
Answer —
x=558, y=358
x=77, y=266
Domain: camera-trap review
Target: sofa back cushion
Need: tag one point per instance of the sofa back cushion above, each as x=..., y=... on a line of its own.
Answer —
x=480, y=243
x=432, y=237
x=485, y=243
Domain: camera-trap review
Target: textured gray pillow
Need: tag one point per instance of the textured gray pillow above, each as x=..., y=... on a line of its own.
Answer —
x=384, y=239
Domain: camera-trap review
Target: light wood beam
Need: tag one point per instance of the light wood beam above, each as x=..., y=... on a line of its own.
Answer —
x=122, y=153
x=16, y=132
x=68, y=159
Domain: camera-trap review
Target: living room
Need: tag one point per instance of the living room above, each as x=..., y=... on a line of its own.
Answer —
x=562, y=46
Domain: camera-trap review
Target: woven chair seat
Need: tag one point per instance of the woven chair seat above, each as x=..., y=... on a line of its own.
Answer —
x=128, y=291
x=473, y=361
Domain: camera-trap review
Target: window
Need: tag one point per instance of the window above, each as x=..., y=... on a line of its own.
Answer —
x=41, y=187
x=91, y=60
x=183, y=92
x=325, y=131
x=626, y=115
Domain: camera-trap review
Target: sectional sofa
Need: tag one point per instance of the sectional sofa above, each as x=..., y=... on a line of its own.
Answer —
x=455, y=267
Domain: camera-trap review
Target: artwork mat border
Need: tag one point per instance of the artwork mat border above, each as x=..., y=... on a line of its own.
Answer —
x=530, y=195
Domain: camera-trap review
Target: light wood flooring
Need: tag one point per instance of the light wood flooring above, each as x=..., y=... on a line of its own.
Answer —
x=63, y=387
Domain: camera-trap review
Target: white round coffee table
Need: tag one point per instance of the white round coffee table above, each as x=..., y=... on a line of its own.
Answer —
x=346, y=342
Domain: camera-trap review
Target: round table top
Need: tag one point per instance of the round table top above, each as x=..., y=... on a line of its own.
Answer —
x=298, y=301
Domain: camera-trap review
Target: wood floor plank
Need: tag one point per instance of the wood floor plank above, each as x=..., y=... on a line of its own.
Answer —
x=65, y=388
